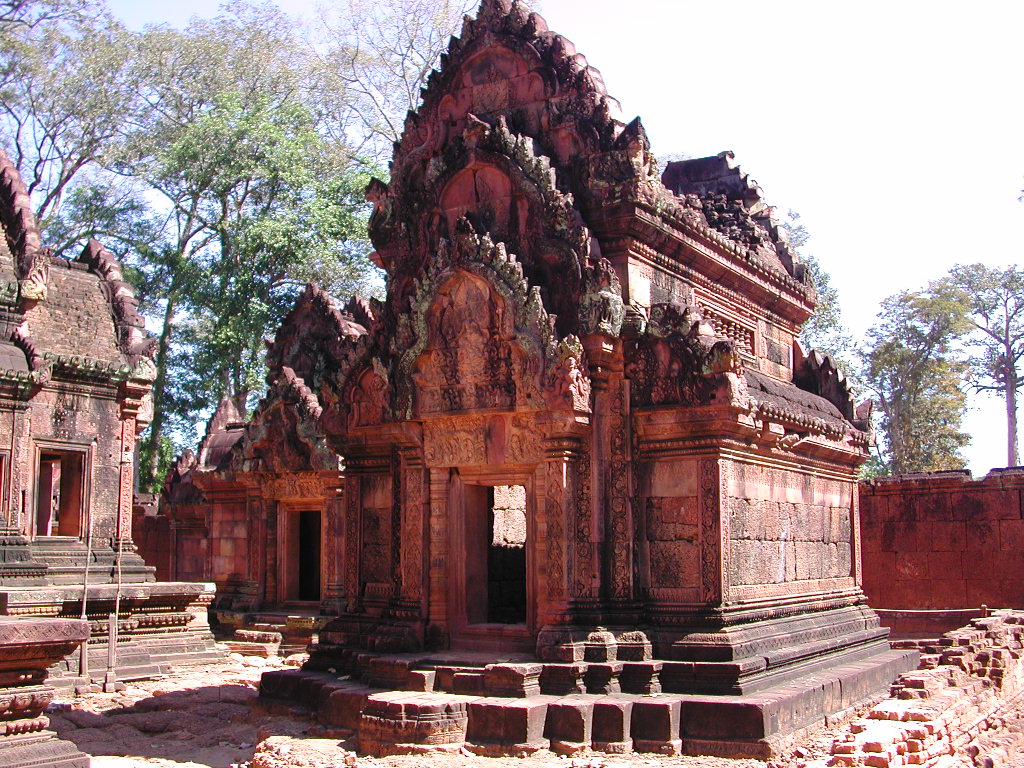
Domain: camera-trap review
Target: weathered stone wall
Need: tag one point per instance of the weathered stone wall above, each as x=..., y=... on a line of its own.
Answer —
x=151, y=533
x=952, y=706
x=75, y=318
x=787, y=526
x=672, y=523
x=67, y=419
x=942, y=541
x=229, y=542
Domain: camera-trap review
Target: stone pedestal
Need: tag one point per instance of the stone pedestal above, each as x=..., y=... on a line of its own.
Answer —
x=27, y=648
x=17, y=566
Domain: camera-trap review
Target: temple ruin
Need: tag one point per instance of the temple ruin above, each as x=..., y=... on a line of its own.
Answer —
x=578, y=432
x=75, y=373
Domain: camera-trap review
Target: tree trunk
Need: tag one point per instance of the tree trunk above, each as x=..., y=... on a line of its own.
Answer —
x=149, y=473
x=1012, y=457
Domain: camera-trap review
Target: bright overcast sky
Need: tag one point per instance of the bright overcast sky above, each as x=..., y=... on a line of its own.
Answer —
x=893, y=128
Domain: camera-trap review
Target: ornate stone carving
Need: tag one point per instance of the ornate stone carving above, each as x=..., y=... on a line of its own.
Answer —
x=569, y=383
x=295, y=485
x=711, y=578
x=554, y=515
x=679, y=361
x=455, y=442
x=601, y=309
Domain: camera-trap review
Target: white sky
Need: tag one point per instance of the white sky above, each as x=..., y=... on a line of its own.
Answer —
x=893, y=128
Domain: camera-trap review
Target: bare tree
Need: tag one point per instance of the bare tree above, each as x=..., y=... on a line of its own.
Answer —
x=994, y=304
x=374, y=59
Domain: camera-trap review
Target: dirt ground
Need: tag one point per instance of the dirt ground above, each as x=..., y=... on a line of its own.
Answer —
x=204, y=719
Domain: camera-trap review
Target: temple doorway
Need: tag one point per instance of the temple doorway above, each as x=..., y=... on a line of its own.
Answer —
x=492, y=571
x=303, y=549
x=60, y=493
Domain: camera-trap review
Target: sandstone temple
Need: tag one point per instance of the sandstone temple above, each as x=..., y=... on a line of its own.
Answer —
x=578, y=431
x=75, y=596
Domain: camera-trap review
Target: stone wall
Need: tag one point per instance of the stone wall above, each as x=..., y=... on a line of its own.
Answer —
x=953, y=706
x=151, y=533
x=942, y=541
x=228, y=542
x=787, y=526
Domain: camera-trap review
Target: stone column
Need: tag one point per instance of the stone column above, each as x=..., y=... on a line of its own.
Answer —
x=714, y=536
x=555, y=506
x=413, y=496
x=352, y=521
x=333, y=546
x=127, y=478
x=437, y=557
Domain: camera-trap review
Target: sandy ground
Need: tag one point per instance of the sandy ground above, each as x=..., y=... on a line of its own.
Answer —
x=204, y=719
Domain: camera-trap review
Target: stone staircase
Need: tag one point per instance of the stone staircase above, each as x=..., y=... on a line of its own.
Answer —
x=67, y=558
x=270, y=633
x=414, y=703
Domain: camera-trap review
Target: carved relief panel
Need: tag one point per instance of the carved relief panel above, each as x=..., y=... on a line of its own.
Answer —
x=470, y=362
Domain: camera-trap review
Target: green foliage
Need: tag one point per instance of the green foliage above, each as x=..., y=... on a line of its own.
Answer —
x=224, y=163
x=164, y=460
x=909, y=363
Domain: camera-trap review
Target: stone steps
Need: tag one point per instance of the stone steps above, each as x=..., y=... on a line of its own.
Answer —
x=414, y=703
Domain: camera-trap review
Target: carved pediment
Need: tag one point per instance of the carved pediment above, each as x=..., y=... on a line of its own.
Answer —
x=284, y=434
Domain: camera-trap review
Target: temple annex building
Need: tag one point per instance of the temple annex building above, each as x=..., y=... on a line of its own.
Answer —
x=576, y=449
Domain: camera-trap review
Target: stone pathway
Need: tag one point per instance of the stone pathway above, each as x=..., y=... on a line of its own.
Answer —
x=203, y=719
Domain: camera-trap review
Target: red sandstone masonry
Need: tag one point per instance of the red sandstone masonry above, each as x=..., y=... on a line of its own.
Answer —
x=945, y=706
x=941, y=541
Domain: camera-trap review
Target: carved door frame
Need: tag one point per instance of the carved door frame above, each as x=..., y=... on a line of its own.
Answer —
x=485, y=635
x=287, y=526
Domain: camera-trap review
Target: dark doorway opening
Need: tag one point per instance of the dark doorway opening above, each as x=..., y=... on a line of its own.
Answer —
x=60, y=492
x=309, y=555
x=496, y=554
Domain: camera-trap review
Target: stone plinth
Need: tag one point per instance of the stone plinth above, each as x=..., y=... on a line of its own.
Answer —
x=412, y=722
x=27, y=648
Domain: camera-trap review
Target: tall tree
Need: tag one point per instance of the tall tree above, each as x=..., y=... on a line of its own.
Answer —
x=255, y=199
x=995, y=308
x=910, y=366
x=375, y=56
x=65, y=93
